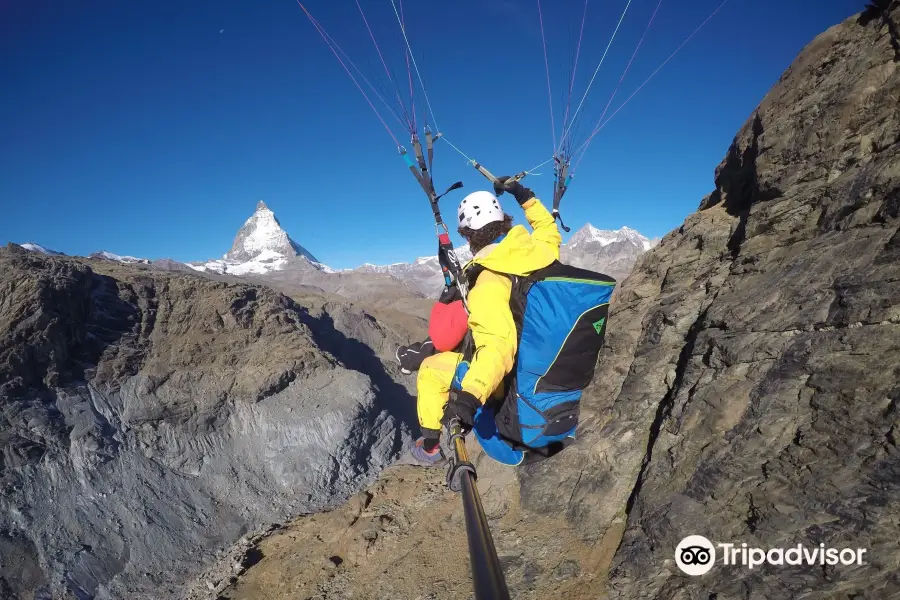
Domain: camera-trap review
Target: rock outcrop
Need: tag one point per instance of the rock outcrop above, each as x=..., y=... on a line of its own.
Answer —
x=748, y=392
x=148, y=419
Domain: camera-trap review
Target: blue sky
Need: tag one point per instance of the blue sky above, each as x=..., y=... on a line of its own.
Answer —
x=153, y=128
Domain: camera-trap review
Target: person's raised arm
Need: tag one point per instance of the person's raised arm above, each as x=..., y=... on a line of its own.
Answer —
x=542, y=222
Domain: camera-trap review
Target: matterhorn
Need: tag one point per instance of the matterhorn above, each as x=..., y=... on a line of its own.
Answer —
x=260, y=246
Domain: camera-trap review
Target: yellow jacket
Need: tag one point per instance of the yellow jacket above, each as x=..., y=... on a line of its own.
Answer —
x=490, y=318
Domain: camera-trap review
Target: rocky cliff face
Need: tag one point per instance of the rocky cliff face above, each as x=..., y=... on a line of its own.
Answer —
x=748, y=392
x=148, y=419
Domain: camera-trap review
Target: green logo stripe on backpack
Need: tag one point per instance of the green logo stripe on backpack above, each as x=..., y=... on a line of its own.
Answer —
x=565, y=345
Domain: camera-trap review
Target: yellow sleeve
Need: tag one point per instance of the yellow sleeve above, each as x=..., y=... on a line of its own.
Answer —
x=545, y=231
x=494, y=334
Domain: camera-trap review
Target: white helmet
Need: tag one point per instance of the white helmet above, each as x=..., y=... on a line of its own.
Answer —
x=478, y=209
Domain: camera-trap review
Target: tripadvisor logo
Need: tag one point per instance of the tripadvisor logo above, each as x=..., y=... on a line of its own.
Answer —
x=696, y=555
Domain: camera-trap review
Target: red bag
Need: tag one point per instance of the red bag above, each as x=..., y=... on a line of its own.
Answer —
x=448, y=325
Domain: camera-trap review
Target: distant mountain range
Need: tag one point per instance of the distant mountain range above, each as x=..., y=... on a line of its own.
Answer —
x=262, y=250
x=103, y=254
x=613, y=252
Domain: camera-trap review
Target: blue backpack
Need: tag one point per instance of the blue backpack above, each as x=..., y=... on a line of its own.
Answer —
x=561, y=314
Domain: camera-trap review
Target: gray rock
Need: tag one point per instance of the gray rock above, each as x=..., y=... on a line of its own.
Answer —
x=150, y=419
x=749, y=391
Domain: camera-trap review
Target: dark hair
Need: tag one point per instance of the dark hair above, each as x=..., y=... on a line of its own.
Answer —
x=479, y=238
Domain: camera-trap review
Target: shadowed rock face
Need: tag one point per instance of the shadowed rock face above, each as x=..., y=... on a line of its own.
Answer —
x=149, y=419
x=749, y=391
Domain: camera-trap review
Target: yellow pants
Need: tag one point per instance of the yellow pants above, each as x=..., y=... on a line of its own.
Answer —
x=433, y=387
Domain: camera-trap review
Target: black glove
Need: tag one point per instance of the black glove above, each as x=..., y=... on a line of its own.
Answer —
x=462, y=406
x=450, y=295
x=521, y=193
x=411, y=357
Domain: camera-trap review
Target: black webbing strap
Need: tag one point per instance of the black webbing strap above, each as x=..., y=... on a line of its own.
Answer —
x=423, y=166
x=450, y=267
x=560, y=185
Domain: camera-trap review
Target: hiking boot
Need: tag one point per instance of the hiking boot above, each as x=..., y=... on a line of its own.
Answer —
x=423, y=457
x=411, y=357
x=403, y=369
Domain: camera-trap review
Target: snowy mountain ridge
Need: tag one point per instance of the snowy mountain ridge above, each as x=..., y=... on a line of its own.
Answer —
x=263, y=249
x=103, y=254
x=38, y=248
x=260, y=246
x=605, y=237
x=610, y=251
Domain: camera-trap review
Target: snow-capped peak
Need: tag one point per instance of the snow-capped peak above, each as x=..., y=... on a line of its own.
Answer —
x=103, y=254
x=261, y=246
x=31, y=246
x=262, y=234
x=605, y=237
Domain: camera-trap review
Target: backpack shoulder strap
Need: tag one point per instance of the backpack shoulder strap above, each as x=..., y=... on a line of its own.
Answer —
x=472, y=274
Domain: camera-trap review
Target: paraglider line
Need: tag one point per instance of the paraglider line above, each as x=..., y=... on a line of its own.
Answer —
x=574, y=68
x=461, y=153
x=532, y=169
x=340, y=60
x=547, y=67
x=381, y=85
x=412, y=96
x=619, y=85
x=597, y=70
x=333, y=44
x=384, y=64
x=416, y=66
x=658, y=69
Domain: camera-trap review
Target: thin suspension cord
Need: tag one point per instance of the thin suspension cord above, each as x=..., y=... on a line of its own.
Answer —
x=384, y=64
x=340, y=60
x=619, y=85
x=412, y=56
x=597, y=70
x=532, y=169
x=575, y=67
x=461, y=153
x=658, y=69
x=547, y=67
x=334, y=45
x=381, y=87
x=412, y=97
